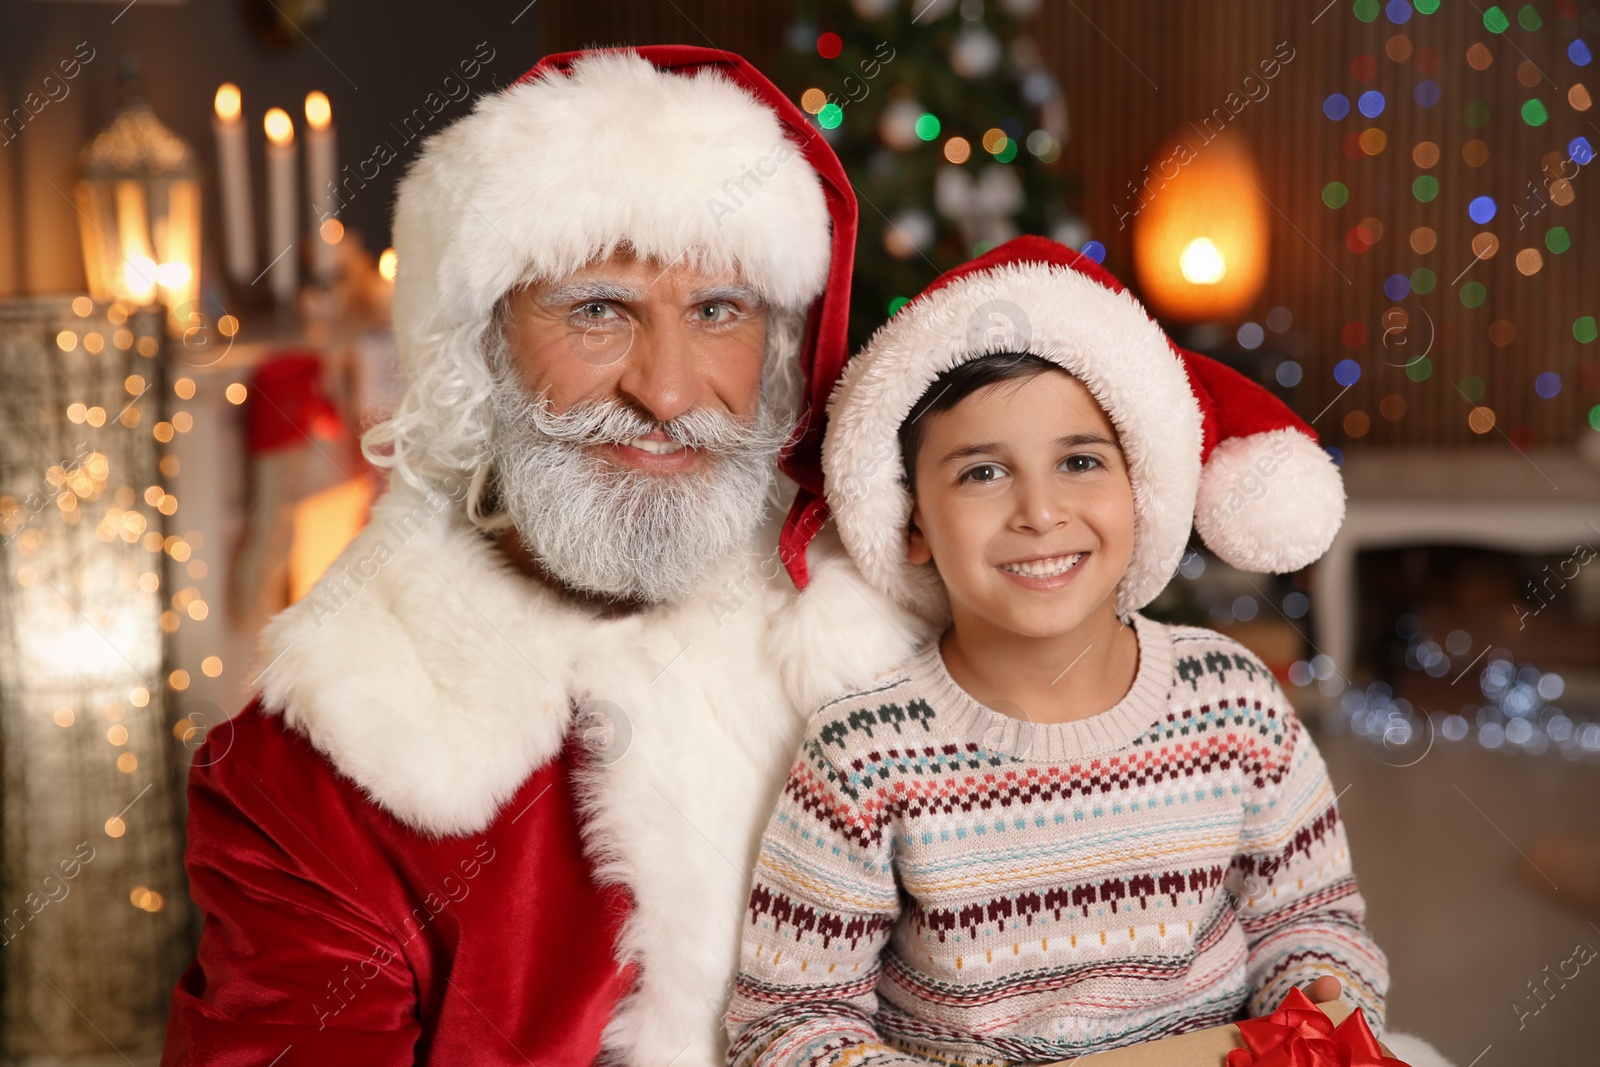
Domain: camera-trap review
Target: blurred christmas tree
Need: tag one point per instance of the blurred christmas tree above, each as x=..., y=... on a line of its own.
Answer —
x=949, y=126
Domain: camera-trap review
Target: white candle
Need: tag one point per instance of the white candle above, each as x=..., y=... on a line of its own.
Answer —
x=283, y=223
x=322, y=168
x=233, y=176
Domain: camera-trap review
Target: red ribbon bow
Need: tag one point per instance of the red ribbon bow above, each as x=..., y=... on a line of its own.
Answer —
x=1298, y=1034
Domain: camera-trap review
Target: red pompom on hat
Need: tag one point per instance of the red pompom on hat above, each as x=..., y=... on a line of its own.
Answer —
x=1205, y=445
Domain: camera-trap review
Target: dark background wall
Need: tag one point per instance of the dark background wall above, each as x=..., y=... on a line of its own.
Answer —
x=376, y=60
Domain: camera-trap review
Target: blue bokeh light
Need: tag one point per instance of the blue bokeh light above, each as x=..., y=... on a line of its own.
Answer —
x=1371, y=103
x=1336, y=106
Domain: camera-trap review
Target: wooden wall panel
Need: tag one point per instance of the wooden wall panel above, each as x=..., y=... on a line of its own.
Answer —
x=1136, y=72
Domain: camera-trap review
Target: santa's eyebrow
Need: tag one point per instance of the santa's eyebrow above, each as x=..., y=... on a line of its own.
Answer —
x=738, y=294
x=595, y=289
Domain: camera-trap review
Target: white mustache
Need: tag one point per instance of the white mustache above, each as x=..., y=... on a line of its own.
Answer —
x=603, y=422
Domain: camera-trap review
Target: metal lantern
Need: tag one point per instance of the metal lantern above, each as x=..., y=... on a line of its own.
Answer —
x=139, y=212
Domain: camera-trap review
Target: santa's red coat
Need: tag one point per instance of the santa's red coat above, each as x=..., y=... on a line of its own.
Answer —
x=336, y=934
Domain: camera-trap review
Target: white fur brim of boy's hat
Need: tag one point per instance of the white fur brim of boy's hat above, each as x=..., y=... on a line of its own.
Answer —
x=1270, y=498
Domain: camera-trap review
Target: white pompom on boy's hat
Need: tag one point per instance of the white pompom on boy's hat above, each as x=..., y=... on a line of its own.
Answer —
x=1205, y=445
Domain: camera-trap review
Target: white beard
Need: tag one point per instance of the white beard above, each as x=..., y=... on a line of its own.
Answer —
x=617, y=531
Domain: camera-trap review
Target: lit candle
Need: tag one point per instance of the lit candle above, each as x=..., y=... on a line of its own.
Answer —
x=283, y=224
x=321, y=172
x=233, y=175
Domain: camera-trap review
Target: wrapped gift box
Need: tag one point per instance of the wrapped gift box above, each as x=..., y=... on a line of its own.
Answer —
x=1202, y=1048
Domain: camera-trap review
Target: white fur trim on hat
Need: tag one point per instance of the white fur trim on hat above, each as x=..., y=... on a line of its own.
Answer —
x=1270, y=502
x=1103, y=338
x=552, y=173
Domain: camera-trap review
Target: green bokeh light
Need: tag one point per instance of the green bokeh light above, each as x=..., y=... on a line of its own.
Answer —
x=896, y=303
x=1366, y=10
x=1472, y=388
x=1425, y=7
x=1495, y=20
x=1473, y=294
x=1528, y=18
x=1557, y=240
x=1425, y=188
x=1422, y=281
x=1477, y=114
x=927, y=126
x=1584, y=329
x=1335, y=195
x=1419, y=369
x=1534, y=114
x=1008, y=153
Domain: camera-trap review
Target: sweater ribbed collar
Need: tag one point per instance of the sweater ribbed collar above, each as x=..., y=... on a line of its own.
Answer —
x=959, y=714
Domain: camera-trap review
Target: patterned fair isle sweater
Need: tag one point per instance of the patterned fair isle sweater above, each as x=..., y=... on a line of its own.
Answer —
x=941, y=882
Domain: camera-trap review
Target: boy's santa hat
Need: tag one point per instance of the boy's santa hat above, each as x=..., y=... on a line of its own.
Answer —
x=675, y=152
x=1204, y=444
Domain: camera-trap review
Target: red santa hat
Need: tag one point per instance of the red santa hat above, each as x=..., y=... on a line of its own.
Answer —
x=675, y=152
x=1205, y=445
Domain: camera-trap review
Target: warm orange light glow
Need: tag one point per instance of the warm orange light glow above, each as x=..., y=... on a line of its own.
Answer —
x=386, y=264
x=1200, y=232
x=318, y=111
x=324, y=523
x=1201, y=263
x=228, y=101
x=279, y=127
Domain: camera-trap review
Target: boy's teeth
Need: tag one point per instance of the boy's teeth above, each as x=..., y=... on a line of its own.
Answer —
x=1043, y=568
x=655, y=448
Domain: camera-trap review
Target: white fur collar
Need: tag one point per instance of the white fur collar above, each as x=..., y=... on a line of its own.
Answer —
x=438, y=679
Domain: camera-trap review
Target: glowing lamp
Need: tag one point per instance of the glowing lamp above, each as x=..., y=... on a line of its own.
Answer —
x=139, y=211
x=1200, y=237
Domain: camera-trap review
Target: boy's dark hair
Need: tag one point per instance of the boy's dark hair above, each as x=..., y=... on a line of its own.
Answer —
x=954, y=386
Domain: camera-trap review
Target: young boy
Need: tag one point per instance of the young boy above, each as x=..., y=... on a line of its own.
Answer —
x=1061, y=828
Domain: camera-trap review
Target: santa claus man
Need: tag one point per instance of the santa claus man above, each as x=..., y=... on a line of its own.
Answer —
x=499, y=796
